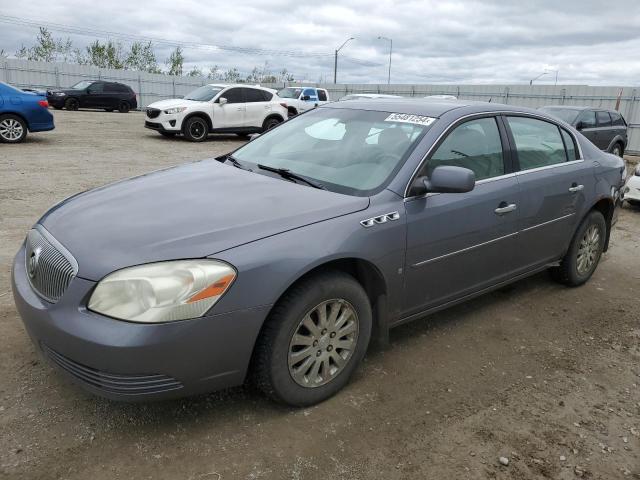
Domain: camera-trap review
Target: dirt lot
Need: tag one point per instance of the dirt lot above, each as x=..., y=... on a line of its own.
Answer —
x=546, y=376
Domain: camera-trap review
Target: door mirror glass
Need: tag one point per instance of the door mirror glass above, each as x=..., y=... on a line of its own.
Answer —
x=579, y=126
x=305, y=98
x=222, y=100
x=445, y=179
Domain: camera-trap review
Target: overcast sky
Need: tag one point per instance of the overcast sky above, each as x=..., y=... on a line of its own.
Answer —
x=466, y=41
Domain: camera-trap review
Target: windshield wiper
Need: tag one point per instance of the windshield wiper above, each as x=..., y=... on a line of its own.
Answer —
x=289, y=175
x=236, y=163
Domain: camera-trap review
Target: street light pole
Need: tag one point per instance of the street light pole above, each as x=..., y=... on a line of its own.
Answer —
x=556, y=72
x=335, y=60
x=534, y=79
x=390, y=52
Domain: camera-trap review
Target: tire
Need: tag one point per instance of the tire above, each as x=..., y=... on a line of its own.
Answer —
x=13, y=129
x=277, y=358
x=72, y=104
x=618, y=150
x=573, y=271
x=168, y=134
x=124, y=107
x=196, y=129
x=269, y=123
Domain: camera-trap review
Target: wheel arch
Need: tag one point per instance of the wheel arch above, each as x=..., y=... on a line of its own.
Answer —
x=365, y=273
x=606, y=207
x=17, y=114
x=273, y=115
x=292, y=111
x=202, y=115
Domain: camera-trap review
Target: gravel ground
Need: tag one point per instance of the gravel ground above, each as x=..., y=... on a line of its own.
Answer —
x=544, y=376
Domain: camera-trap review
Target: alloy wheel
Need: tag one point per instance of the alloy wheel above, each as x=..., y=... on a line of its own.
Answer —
x=197, y=129
x=11, y=129
x=589, y=250
x=323, y=343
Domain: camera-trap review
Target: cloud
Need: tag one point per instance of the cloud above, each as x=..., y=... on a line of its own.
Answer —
x=467, y=41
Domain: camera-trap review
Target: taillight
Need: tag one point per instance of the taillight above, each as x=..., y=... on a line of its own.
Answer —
x=43, y=103
x=284, y=104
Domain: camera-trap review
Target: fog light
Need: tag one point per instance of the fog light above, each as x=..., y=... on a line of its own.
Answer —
x=172, y=123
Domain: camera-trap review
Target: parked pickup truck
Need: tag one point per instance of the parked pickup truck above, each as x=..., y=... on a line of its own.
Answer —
x=301, y=99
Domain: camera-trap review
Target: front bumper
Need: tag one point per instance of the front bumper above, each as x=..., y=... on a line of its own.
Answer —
x=131, y=361
x=631, y=190
x=56, y=100
x=164, y=123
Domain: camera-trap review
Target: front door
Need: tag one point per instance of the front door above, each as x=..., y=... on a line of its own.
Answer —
x=94, y=96
x=230, y=114
x=460, y=243
x=554, y=184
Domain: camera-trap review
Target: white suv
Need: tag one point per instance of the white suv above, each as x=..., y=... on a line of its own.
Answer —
x=216, y=108
x=301, y=99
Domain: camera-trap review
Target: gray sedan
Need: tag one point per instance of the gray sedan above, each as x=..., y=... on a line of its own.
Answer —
x=281, y=261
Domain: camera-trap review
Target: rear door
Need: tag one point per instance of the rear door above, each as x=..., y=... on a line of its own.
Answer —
x=231, y=114
x=554, y=183
x=605, y=129
x=258, y=106
x=112, y=95
x=460, y=243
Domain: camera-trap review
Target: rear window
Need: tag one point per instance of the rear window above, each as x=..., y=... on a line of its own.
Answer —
x=322, y=95
x=617, y=120
x=565, y=114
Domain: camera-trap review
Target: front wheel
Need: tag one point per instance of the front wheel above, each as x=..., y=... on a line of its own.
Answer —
x=617, y=150
x=196, y=129
x=72, y=104
x=313, y=340
x=13, y=129
x=124, y=107
x=584, y=253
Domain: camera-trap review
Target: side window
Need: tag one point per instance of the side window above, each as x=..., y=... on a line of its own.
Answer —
x=97, y=87
x=569, y=144
x=588, y=119
x=234, y=95
x=122, y=88
x=266, y=96
x=111, y=88
x=322, y=95
x=604, y=120
x=474, y=145
x=538, y=143
x=311, y=93
x=253, y=95
x=617, y=120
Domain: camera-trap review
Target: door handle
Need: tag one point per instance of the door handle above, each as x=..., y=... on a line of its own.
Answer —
x=576, y=188
x=505, y=208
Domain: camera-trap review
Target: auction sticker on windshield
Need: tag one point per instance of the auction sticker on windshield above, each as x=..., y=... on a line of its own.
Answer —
x=406, y=118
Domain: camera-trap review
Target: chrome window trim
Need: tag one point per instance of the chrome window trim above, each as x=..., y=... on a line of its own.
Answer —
x=547, y=167
x=472, y=247
x=493, y=113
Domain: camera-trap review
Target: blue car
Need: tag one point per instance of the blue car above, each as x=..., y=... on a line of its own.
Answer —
x=22, y=112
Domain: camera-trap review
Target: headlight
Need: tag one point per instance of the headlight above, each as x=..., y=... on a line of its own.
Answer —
x=59, y=94
x=162, y=292
x=175, y=110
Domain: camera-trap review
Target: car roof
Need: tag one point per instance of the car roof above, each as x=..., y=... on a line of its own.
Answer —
x=426, y=107
x=572, y=107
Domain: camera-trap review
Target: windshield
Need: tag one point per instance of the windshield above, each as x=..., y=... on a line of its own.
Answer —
x=349, y=151
x=290, y=92
x=203, y=94
x=82, y=85
x=565, y=114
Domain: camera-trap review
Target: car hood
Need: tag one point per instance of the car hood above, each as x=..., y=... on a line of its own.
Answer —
x=190, y=211
x=173, y=102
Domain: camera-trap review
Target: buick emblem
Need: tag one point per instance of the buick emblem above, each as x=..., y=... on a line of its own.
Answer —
x=32, y=265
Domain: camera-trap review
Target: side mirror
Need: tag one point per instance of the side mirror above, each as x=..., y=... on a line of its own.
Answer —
x=305, y=98
x=579, y=126
x=222, y=100
x=445, y=179
x=253, y=136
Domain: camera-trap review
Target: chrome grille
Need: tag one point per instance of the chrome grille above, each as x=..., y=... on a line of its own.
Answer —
x=50, y=267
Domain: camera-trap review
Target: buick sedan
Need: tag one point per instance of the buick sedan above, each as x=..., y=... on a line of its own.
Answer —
x=280, y=262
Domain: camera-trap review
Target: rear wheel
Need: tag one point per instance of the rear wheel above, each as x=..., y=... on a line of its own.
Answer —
x=269, y=123
x=313, y=340
x=584, y=253
x=124, y=107
x=72, y=104
x=196, y=129
x=617, y=150
x=13, y=129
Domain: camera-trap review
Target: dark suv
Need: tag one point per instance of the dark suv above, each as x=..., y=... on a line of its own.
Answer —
x=109, y=96
x=607, y=129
